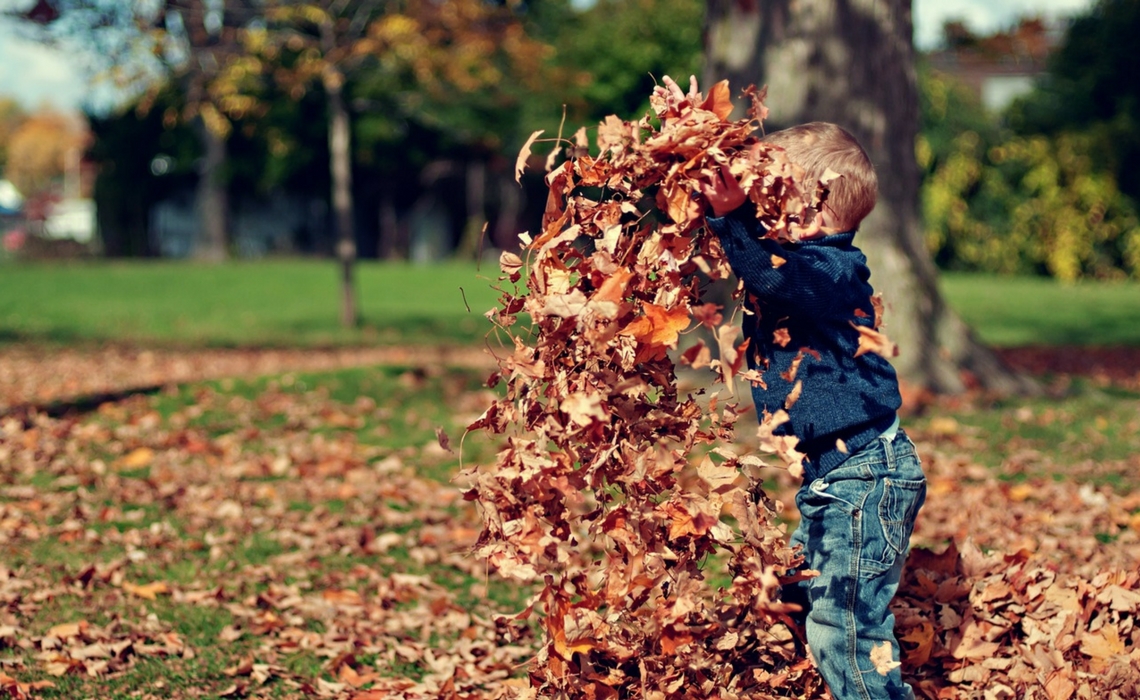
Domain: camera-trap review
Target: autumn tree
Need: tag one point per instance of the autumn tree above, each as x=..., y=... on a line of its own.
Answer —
x=429, y=61
x=11, y=115
x=141, y=46
x=40, y=150
x=853, y=63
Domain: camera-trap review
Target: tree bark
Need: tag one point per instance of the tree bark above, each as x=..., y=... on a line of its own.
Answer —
x=852, y=62
x=471, y=244
x=387, y=246
x=340, y=163
x=211, y=196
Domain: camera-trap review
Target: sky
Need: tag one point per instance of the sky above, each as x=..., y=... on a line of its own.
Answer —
x=36, y=75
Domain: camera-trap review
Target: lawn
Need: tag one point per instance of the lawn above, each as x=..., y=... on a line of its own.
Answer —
x=1019, y=311
x=271, y=303
x=290, y=303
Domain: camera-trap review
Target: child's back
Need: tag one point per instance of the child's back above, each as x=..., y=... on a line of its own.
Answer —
x=808, y=304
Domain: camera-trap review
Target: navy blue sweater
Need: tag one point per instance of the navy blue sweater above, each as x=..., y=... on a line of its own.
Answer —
x=806, y=307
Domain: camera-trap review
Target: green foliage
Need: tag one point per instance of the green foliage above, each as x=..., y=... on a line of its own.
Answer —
x=1092, y=88
x=1001, y=202
x=623, y=47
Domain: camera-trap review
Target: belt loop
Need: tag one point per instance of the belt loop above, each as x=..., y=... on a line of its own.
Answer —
x=889, y=451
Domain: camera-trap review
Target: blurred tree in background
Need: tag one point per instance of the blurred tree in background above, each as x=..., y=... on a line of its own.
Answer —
x=438, y=53
x=141, y=47
x=41, y=148
x=1043, y=188
x=404, y=116
x=11, y=115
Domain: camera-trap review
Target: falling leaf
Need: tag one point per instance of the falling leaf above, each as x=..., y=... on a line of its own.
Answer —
x=882, y=658
x=524, y=155
x=871, y=340
x=442, y=438
x=719, y=100
x=793, y=395
x=582, y=408
x=509, y=263
x=659, y=327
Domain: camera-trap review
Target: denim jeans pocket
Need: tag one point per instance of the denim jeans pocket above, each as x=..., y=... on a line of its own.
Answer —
x=897, y=510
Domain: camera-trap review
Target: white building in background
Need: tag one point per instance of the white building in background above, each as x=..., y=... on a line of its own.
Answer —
x=10, y=198
x=71, y=219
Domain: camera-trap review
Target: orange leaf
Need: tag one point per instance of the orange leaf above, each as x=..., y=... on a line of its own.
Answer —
x=613, y=288
x=150, y=591
x=719, y=101
x=68, y=629
x=871, y=340
x=659, y=327
x=342, y=597
x=348, y=675
x=923, y=639
x=137, y=458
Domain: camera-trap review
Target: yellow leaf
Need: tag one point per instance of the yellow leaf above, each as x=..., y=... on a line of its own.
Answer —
x=150, y=591
x=136, y=459
x=1104, y=645
x=69, y=629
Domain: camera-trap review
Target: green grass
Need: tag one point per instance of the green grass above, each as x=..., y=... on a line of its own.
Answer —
x=268, y=303
x=1015, y=311
x=296, y=303
x=1088, y=433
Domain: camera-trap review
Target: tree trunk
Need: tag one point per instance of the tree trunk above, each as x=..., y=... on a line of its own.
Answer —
x=387, y=246
x=212, y=197
x=852, y=62
x=511, y=204
x=340, y=163
x=471, y=244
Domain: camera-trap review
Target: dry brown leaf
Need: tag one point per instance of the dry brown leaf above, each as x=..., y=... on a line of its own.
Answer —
x=524, y=155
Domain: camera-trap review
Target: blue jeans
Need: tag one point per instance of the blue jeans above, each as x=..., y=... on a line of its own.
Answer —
x=855, y=525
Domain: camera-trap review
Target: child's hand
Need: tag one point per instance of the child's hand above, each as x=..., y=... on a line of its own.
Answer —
x=671, y=101
x=723, y=192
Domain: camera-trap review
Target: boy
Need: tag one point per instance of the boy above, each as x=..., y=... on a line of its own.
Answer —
x=863, y=484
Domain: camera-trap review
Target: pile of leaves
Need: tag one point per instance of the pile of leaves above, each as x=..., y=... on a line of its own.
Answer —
x=1037, y=596
x=657, y=554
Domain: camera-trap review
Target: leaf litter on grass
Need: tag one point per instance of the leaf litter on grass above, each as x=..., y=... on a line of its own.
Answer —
x=118, y=525
x=288, y=557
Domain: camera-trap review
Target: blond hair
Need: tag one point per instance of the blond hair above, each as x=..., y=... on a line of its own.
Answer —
x=819, y=146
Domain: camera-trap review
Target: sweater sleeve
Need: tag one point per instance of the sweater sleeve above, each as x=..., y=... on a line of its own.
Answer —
x=810, y=279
